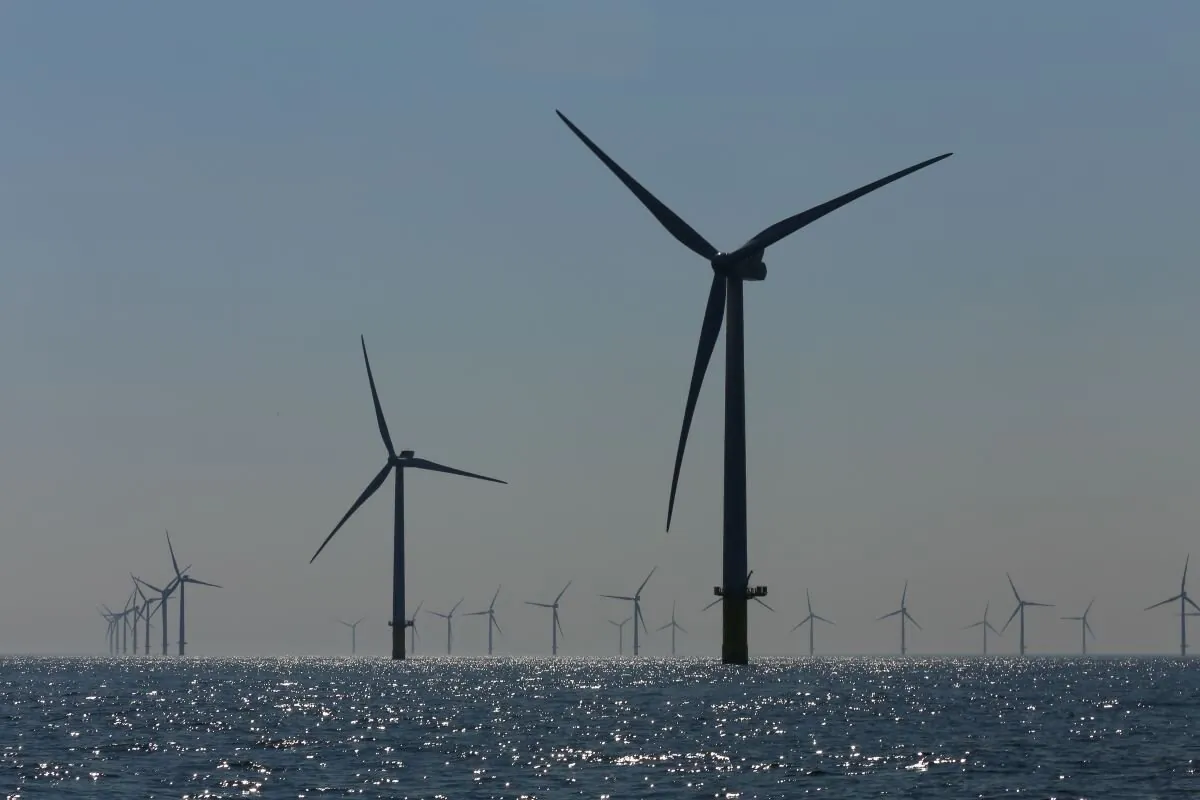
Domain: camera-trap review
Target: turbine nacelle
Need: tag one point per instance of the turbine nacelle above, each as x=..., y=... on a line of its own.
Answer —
x=744, y=263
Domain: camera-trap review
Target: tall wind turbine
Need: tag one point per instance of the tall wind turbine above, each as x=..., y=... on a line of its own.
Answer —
x=902, y=612
x=405, y=459
x=983, y=623
x=811, y=621
x=449, y=622
x=1020, y=609
x=412, y=623
x=621, y=634
x=184, y=579
x=637, y=608
x=490, y=612
x=111, y=619
x=674, y=626
x=163, y=595
x=1085, y=628
x=147, y=612
x=725, y=296
x=555, y=625
x=353, y=626
x=1184, y=602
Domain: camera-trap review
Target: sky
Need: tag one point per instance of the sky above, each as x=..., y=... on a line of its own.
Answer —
x=987, y=367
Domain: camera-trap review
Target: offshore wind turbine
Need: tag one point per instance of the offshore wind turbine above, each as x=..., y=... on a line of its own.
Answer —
x=449, y=621
x=902, y=612
x=163, y=595
x=183, y=580
x=725, y=297
x=637, y=608
x=621, y=634
x=811, y=621
x=412, y=623
x=1085, y=628
x=405, y=459
x=1020, y=609
x=107, y=613
x=674, y=626
x=983, y=623
x=1184, y=602
x=353, y=626
x=147, y=612
x=555, y=625
x=490, y=611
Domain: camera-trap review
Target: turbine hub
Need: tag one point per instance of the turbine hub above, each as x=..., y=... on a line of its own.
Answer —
x=744, y=264
x=407, y=453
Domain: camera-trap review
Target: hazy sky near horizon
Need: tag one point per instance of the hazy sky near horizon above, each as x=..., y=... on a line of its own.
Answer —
x=989, y=366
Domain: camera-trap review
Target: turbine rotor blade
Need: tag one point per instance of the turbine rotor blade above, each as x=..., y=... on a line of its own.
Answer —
x=787, y=227
x=456, y=605
x=543, y=605
x=617, y=597
x=564, y=591
x=713, y=603
x=972, y=625
x=205, y=583
x=424, y=463
x=662, y=627
x=638, y=593
x=1014, y=587
x=1164, y=602
x=913, y=621
x=828, y=621
x=1016, y=611
x=372, y=487
x=383, y=428
x=174, y=563
x=493, y=603
x=558, y=622
x=148, y=586
x=710, y=331
x=1191, y=603
x=666, y=217
x=892, y=614
x=497, y=624
x=680, y=628
x=763, y=603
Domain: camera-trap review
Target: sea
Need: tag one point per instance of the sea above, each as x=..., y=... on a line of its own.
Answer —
x=611, y=728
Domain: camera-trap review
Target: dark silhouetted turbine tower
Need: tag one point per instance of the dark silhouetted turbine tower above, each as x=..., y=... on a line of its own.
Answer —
x=1184, y=602
x=490, y=613
x=1020, y=610
x=183, y=579
x=637, y=608
x=902, y=612
x=983, y=623
x=555, y=625
x=405, y=459
x=725, y=297
x=1085, y=628
x=449, y=623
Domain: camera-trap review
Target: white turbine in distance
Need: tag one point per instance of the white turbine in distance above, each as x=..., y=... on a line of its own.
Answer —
x=555, y=625
x=353, y=626
x=983, y=623
x=811, y=621
x=674, y=626
x=637, y=609
x=1020, y=610
x=449, y=624
x=490, y=612
x=621, y=633
x=1085, y=628
x=902, y=612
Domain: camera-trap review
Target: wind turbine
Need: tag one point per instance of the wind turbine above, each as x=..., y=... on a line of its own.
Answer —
x=902, y=612
x=412, y=623
x=1184, y=602
x=353, y=626
x=983, y=623
x=163, y=595
x=449, y=621
x=184, y=579
x=621, y=634
x=555, y=625
x=126, y=625
x=725, y=296
x=1085, y=628
x=490, y=611
x=110, y=618
x=1020, y=609
x=147, y=612
x=811, y=621
x=405, y=459
x=674, y=626
x=637, y=608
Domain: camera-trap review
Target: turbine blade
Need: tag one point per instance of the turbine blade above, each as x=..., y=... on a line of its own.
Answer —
x=1074, y=618
x=418, y=611
x=972, y=625
x=616, y=597
x=904, y=595
x=1087, y=626
x=497, y=624
x=808, y=597
x=680, y=628
x=456, y=605
x=1089, y=607
x=424, y=463
x=1164, y=602
x=713, y=603
x=360, y=619
x=640, y=618
x=1016, y=611
x=1040, y=605
x=892, y=614
x=564, y=591
x=543, y=605
x=558, y=622
x=1192, y=603
x=662, y=627
x=383, y=428
x=148, y=586
x=763, y=603
x=643, y=586
x=828, y=621
x=787, y=227
x=205, y=583
x=1183, y=583
x=474, y=613
x=493, y=603
x=710, y=330
x=666, y=217
x=439, y=614
x=913, y=621
x=372, y=487
x=174, y=563
x=992, y=628
x=1014, y=587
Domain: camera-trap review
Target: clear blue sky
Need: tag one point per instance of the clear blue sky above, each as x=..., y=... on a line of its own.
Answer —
x=988, y=366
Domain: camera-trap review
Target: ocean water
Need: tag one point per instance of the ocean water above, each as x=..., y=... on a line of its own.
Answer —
x=537, y=728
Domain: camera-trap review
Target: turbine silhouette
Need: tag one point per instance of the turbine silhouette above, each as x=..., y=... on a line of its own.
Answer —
x=490, y=612
x=983, y=623
x=902, y=612
x=555, y=625
x=1184, y=602
x=1020, y=609
x=674, y=626
x=637, y=609
x=449, y=623
x=1085, y=628
x=811, y=621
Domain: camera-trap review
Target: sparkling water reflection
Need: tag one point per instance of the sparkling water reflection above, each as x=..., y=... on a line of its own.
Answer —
x=511, y=728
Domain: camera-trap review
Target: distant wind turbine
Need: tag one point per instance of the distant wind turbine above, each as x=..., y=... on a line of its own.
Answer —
x=183, y=580
x=902, y=612
x=405, y=459
x=637, y=608
x=983, y=623
x=1085, y=628
x=674, y=626
x=449, y=622
x=1020, y=610
x=555, y=625
x=811, y=621
x=111, y=619
x=729, y=271
x=412, y=623
x=621, y=634
x=163, y=595
x=147, y=613
x=1184, y=602
x=353, y=626
x=490, y=613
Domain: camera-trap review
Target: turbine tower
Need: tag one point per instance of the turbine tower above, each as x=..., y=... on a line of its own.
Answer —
x=353, y=626
x=674, y=626
x=755, y=594
x=147, y=612
x=490, y=612
x=983, y=623
x=110, y=618
x=1020, y=609
x=1184, y=602
x=183, y=580
x=637, y=608
x=1085, y=628
x=449, y=622
x=621, y=634
x=412, y=623
x=811, y=621
x=725, y=297
x=163, y=595
x=555, y=625
x=405, y=459
x=902, y=612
